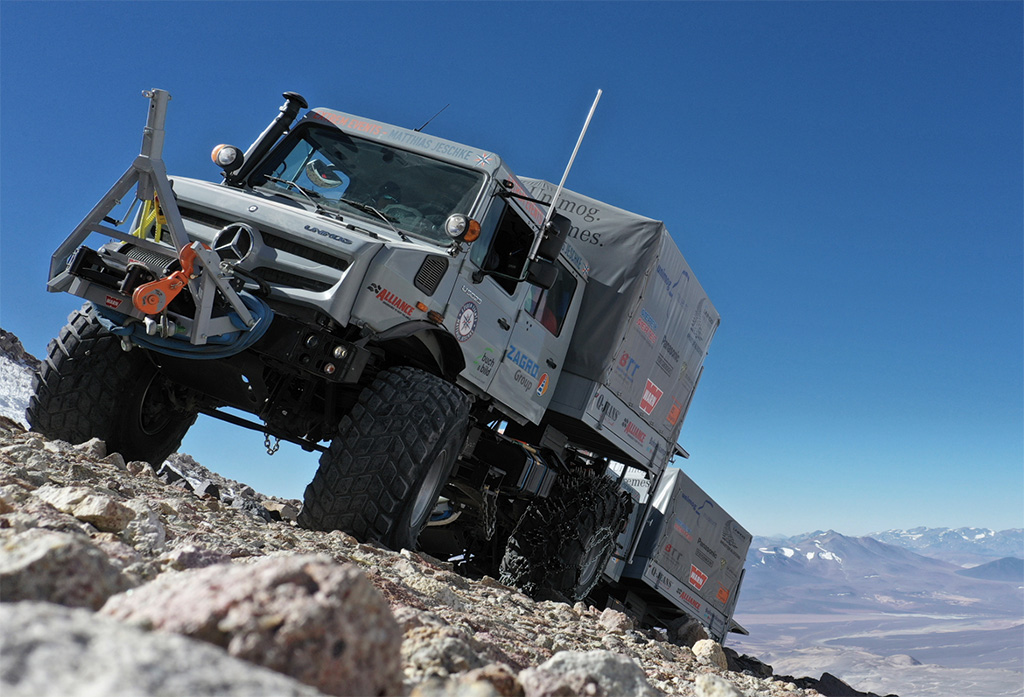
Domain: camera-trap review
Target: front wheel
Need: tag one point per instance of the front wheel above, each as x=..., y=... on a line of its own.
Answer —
x=563, y=542
x=89, y=388
x=394, y=452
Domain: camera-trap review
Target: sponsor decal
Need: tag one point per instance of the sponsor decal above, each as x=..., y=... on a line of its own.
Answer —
x=577, y=260
x=705, y=553
x=722, y=594
x=112, y=302
x=523, y=380
x=473, y=296
x=484, y=160
x=634, y=431
x=683, y=529
x=516, y=356
x=696, y=509
x=674, y=412
x=669, y=349
x=652, y=395
x=542, y=385
x=682, y=370
x=628, y=366
x=697, y=577
x=689, y=600
x=466, y=321
x=331, y=235
x=484, y=363
x=663, y=364
x=729, y=534
x=672, y=287
x=390, y=299
x=647, y=326
x=605, y=407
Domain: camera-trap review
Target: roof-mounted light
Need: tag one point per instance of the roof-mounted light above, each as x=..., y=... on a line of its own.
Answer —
x=227, y=157
x=461, y=227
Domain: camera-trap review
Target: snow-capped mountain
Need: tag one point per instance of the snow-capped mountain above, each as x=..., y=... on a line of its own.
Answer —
x=962, y=546
x=830, y=572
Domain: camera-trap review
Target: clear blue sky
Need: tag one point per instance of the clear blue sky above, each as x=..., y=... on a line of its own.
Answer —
x=844, y=178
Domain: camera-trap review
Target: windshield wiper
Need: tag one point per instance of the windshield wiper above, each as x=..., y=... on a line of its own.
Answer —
x=310, y=195
x=367, y=208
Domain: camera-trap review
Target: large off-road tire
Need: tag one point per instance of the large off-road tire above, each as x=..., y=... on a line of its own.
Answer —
x=393, y=454
x=563, y=542
x=88, y=387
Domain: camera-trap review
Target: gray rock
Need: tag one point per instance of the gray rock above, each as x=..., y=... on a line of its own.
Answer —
x=587, y=674
x=145, y=531
x=58, y=567
x=99, y=656
x=686, y=631
x=93, y=447
x=321, y=622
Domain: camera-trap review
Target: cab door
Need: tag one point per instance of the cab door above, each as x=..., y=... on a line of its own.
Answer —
x=538, y=345
x=514, y=335
x=487, y=296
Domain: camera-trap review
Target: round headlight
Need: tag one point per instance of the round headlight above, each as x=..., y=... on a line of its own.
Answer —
x=227, y=157
x=456, y=226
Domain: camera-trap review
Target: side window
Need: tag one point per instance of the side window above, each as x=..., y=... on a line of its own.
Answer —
x=549, y=307
x=504, y=246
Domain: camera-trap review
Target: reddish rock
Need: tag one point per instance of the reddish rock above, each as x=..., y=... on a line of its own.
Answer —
x=305, y=616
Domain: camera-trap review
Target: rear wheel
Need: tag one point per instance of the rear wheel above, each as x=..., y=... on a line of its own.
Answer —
x=394, y=452
x=563, y=542
x=88, y=387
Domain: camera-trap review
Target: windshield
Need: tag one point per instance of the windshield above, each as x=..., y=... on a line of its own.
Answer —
x=354, y=176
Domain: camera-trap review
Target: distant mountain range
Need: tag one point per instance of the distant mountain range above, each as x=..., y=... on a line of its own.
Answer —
x=962, y=546
x=827, y=572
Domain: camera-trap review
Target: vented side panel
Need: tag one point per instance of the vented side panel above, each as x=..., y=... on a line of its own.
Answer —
x=431, y=272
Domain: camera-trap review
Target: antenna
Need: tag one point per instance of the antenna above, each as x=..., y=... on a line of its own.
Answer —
x=417, y=130
x=558, y=192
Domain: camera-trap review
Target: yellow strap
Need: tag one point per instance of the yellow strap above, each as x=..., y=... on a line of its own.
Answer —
x=144, y=220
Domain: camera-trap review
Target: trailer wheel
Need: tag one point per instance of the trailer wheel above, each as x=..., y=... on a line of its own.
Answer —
x=89, y=388
x=563, y=542
x=394, y=452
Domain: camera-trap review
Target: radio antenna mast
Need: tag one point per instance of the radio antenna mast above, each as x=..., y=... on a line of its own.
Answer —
x=417, y=130
x=553, y=206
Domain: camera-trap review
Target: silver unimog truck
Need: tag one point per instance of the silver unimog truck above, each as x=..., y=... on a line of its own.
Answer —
x=493, y=369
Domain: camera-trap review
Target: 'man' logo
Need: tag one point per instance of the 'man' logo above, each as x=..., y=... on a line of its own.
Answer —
x=697, y=577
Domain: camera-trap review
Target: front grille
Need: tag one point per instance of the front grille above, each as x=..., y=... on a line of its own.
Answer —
x=283, y=278
x=305, y=252
x=201, y=217
x=431, y=272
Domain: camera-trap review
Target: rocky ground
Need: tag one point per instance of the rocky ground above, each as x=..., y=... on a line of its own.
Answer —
x=118, y=579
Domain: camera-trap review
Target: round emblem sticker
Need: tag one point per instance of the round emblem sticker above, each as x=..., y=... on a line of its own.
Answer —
x=542, y=385
x=465, y=322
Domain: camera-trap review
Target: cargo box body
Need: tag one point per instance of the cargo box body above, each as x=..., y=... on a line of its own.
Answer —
x=692, y=552
x=643, y=330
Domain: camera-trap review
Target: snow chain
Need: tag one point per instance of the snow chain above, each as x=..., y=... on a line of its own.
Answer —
x=271, y=449
x=490, y=511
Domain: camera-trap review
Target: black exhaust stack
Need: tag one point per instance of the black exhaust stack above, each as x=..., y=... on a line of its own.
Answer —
x=294, y=102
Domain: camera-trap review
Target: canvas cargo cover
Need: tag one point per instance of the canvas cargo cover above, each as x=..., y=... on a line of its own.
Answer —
x=645, y=323
x=696, y=551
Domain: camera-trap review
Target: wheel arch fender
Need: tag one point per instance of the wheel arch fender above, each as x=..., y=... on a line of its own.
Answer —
x=422, y=344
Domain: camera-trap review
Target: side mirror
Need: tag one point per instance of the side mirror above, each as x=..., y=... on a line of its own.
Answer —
x=542, y=273
x=553, y=237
